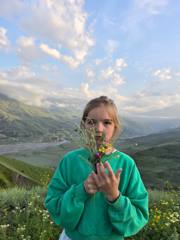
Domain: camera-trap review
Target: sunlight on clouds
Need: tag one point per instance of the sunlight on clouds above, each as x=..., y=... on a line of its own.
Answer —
x=4, y=42
x=50, y=51
x=58, y=23
x=61, y=22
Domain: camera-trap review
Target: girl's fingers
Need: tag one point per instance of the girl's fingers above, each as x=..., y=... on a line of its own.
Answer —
x=118, y=173
x=111, y=173
x=97, y=180
x=101, y=171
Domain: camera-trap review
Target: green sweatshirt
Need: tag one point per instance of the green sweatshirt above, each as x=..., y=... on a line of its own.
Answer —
x=92, y=217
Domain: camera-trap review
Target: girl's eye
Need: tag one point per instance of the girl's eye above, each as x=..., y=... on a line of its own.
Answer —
x=107, y=122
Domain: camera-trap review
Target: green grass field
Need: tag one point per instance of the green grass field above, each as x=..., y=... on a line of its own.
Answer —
x=14, y=172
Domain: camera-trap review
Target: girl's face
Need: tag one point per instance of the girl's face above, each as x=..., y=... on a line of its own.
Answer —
x=100, y=119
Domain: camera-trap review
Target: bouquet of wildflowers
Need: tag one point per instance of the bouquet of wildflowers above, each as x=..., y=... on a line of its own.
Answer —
x=88, y=140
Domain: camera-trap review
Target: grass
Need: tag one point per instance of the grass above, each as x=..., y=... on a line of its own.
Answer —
x=12, y=168
x=24, y=217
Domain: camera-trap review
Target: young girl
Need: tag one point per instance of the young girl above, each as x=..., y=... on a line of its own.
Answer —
x=109, y=202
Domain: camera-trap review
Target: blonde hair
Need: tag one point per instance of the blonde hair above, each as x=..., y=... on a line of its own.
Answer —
x=111, y=108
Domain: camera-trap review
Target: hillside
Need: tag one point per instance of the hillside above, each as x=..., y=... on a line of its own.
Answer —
x=137, y=144
x=159, y=164
x=20, y=121
x=17, y=173
x=157, y=157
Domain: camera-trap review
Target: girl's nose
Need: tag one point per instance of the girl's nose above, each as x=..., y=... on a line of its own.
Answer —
x=99, y=127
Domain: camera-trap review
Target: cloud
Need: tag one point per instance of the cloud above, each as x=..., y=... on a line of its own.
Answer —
x=113, y=72
x=4, y=42
x=25, y=85
x=144, y=102
x=53, y=23
x=27, y=49
x=163, y=74
x=50, y=51
x=11, y=8
x=84, y=88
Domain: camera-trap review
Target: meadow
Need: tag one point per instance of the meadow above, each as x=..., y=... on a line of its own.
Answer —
x=24, y=217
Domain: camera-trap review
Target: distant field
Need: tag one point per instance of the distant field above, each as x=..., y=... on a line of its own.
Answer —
x=157, y=157
x=47, y=157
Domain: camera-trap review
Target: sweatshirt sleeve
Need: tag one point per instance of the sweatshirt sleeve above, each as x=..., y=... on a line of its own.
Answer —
x=65, y=202
x=129, y=213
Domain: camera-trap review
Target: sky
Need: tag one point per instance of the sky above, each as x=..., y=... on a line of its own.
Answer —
x=128, y=50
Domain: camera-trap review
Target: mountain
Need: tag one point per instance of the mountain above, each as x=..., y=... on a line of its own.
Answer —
x=157, y=157
x=142, y=125
x=172, y=111
x=19, y=121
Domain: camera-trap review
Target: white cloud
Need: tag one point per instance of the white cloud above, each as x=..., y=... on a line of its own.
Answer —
x=107, y=73
x=84, y=88
x=4, y=42
x=53, y=23
x=117, y=80
x=163, y=74
x=120, y=64
x=113, y=72
x=146, y=103
x=61, y=22
x=50, y=51
x=25, y=85
x=11, y=8
x=27, y=49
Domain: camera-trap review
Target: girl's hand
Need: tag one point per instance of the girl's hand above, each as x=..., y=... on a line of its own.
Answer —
x=90, y=185
x=107, y=183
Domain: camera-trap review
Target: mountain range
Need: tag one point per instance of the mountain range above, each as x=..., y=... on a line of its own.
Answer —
x=22, y=121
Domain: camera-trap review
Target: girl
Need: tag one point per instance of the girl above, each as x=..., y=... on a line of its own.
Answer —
x=109, y=203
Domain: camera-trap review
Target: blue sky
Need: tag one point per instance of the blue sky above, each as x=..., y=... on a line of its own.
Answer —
x=128, y=50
